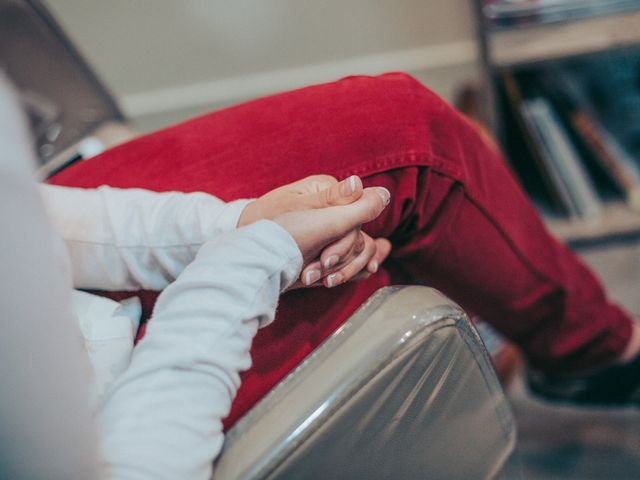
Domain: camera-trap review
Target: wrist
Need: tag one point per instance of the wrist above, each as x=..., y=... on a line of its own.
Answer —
x=249, y=214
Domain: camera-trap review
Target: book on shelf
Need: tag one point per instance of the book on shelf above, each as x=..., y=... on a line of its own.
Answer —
x=562, y=161
x=554, y=187
x=580, y=153
x=552, y=177
x=568, y=94
x=567, y=181
x=514, y=13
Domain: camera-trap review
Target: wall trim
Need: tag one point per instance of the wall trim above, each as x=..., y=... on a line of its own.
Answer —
x=234, y=89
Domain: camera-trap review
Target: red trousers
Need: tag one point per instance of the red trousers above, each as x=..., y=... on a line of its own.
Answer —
x=457, y=219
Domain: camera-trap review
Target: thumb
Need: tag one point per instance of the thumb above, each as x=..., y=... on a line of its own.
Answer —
x=342, y=193
x=314, y=229
x=367, y=208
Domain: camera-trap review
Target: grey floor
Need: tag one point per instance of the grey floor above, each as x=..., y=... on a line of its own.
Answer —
x=564, y=443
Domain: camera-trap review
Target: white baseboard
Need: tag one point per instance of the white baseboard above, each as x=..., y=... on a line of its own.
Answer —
x=230, y=90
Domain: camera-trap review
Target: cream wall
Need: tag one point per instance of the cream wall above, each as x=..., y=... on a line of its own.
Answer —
x=167, y=59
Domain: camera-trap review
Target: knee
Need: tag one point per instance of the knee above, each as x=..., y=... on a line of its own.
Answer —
x=392, y=87
x=382, y=82
x=397, y=109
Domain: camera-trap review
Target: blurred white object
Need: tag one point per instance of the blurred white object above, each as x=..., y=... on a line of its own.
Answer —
x=109, y=329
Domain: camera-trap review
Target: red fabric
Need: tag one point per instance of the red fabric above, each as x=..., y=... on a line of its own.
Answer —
x=457, y=219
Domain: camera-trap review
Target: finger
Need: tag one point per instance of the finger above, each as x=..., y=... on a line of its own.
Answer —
x=335, y=222
x=383, y=249
x=325, y=265
x=299, y=195
x=313, y=184
x=333, y=257
x=363, y=275
x=353, y=268
x=343, y=193
x=342, y=250
x=339, y=220
x=314, y=229
x=311, y=273
x=297, y=285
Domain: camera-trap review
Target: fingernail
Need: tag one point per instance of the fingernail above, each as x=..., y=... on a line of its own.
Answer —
x=348, y=186
x=374, y=266
x=312, y=276
x=384, y=194
x=333, y=280
x=331, y=261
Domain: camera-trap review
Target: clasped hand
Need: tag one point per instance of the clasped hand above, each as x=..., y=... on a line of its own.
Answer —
x=324, y=217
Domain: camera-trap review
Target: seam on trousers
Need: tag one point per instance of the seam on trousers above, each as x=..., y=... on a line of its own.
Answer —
x=409, y=158
x=445, y=167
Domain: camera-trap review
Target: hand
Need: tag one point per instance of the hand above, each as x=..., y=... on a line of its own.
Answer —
x=347, y=260
x=314, y=229
x=340, y=262
x=316, y=191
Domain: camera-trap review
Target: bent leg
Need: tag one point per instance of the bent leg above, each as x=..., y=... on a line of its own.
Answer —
x=457, y=219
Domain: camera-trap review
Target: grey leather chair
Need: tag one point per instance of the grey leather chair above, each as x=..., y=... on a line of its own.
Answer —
x=404, y=389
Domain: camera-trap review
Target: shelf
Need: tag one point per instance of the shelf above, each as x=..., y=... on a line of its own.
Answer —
x=511, y=48
x=618, y=222
x=543, y=42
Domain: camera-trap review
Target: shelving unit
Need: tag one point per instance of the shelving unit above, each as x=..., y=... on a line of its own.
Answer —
x=617, y=223
x=510, y=47
x=525, y=46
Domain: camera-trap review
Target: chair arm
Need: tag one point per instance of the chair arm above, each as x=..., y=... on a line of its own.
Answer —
x=404, y=389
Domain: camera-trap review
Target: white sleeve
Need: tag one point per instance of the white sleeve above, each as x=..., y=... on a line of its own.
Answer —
x=45, y=422
x=162, y=418
x=128, y=239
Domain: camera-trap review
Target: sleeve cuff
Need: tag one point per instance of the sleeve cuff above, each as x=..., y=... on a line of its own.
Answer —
x=230, y=215
x=263, y=246
x=282, y=240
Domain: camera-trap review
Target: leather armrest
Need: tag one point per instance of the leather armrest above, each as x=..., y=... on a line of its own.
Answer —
x=404, y=389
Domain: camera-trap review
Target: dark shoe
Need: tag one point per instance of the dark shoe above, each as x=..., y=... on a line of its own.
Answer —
x=615, y=386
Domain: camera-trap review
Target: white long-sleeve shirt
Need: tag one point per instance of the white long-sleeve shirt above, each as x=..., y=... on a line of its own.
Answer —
x=162, y=417
x=131, y=239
